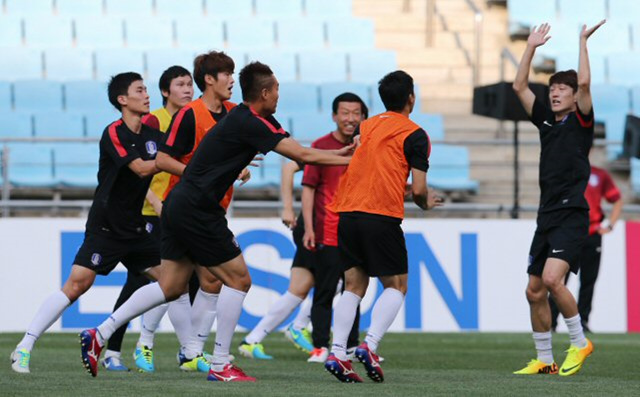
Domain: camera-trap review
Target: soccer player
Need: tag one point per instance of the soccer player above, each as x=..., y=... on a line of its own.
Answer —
x=115, y=229
x=370, y=204
x=566, y=134
x=195, y=231
x=600, y=186
x=176, y=87
x=321, y=268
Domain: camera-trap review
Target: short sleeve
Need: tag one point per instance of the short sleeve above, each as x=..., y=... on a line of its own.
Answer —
x=151, y=120
x=180, y=138
x=263, y=134
x=585, y=120
x=118, y=145
x=539, y=114
x=417, y=150
x=609, y=189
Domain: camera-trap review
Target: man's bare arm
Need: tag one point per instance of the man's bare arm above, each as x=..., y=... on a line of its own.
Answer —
x=537, y=38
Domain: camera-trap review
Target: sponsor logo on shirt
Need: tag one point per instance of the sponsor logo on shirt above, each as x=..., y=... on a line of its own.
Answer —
x=96, y=259
x=151, y=147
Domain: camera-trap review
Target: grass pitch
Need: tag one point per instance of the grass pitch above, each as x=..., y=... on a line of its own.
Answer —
x=416, y=365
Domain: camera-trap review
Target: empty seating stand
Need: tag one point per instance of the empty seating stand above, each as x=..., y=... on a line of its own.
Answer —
x=449, y=169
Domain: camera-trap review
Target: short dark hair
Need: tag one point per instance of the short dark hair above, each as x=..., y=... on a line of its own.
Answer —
x=167, y=77
x=566, y=77
x=254, y=78
x=119, y=85
x=211, y=63
x=394, y=89
x=347, y=97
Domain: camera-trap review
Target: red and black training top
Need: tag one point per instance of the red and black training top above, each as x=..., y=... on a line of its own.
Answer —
x=601, y=186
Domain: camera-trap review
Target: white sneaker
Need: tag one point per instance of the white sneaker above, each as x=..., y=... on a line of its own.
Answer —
x=318, y=355
x=20, y=361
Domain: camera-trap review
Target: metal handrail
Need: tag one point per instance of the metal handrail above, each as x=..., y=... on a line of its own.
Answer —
x=477, y=32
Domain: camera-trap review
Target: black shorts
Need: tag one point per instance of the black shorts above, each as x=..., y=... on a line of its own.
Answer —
x=303, y=257
x=153, y=226
x=101, y=254
x=374, y=242
x=201, y=236
x=560, y=234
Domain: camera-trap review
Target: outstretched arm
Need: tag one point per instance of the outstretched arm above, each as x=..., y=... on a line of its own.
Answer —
x=291, y=149
x=539, y=36
x=286, y=193
x=584, y=71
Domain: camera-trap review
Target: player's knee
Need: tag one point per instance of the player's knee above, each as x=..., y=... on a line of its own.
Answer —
x=211, y=286
x=240, y=282
x=73, y=289
x=551, y=282
x=536, y=295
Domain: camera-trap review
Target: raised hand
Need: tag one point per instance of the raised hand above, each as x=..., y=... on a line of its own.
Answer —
x=586, y=33
x=539, y=35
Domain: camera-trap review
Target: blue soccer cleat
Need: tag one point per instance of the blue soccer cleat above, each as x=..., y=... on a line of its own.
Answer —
x=114, y=364
x=300, y=338
x=253, y=350
x=90, y=350
x=144, y=360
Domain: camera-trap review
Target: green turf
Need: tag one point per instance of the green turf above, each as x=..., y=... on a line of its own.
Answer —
x=416, y=365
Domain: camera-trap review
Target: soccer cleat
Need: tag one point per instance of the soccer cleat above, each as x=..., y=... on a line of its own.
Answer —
x=575, y=358
x=535, y=367
x=144, y=360
x=341, y=370
x=371, y=362
x=318, y=355
x=196, y=364
x=230, y=373
x=253, y=350
x=300, y=338
x=20, y=361
x=90, y=350
x=351, y=354
x=114, y=364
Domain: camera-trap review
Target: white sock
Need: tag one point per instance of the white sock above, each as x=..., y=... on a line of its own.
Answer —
x=576, y=334
x=50, y=310
x=303, y=318
x=384, y=312
x=150, y=321
x=343, y=318
x=111, y=353
x=543, y=346
x=180, y=316
x=203, y=314
x=229, y=310
x=278, y=312
x=141, y=301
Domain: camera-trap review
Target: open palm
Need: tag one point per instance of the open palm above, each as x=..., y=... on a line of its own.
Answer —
x=539, y=35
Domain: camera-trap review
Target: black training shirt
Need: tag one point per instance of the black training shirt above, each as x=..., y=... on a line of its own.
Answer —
x=564, y=157
x=117, y=204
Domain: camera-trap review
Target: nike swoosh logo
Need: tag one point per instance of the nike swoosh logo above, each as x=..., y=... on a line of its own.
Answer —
x=547, y=123
x=203, y=336
x=564, y=371
x=557, y=251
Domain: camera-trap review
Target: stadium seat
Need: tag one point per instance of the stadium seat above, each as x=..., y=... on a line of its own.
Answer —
x=172, y=8
x=99, y=32
x=37, y=95
x=110, y=62
x=79, y=8
x=235, y=8
x=76, y=164
x=159, y=60
x=378, y=107
x=623, y=68
x=328, y=8
x=86, y=96
x=328, y=92
x=609, y=98
x=279, y=8
x=635, y=100
x=5, y=96
x=623, y=11
x=300, y=33
x=47, y=32
x=16, y=125
x=68, y=64
x=129, y=8
x=433, y=124
x=30, y=165
x=351, y=33
x=23, y=64
x=522, y=17
x=268, y=174
x=250, y=33
x=322, y=66
x=198, y=33
x=449, y=169
x=145, y=32
x=97, y=121
x=370, y=66
x=298, y=97
x=58, y=125
x=307, y=127
x=635, y=176
x=614, y=124
x=597, y=63
x=581, y=12
x=283, y=63
x=10, y=31
x=28, y=7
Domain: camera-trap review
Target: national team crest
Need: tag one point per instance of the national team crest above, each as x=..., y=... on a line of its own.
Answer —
x=151, y=147
x=149, y=227
x=96, y=259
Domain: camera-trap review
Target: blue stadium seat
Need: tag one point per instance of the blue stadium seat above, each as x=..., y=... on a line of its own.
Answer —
x=322, y=66
x=235, y=8
x=110, y=62
x=58, y=125
x=351, y=33
x=250, y=33
x=609, y=98
x=370, y=66
x=68, y=64
x=86, y=96
x=5, y=96
x=623, y=68
x=10, y=31
x=328, y=8
x=449, y=169
x=635, y=100
x=522, y=16
x=159, y=60
x=597, y=61
x=23, y=64
x=300, y=33
x=199, y=33
x=76, y=164
x=172, y=8
x=31, y=165
x=129, y=8
x=623, y=11
x=145, y=32
x=614, y=124
x=79, y=8
x=269, y=172
x=635, y=176
x=16, y=125
x=283, y=63
x=587, y=12
x=432, y=123
x=280, y=8
x=47, y=31
x=37, y=95
x=328, y=92
x=29, y=7
x=98, y=121
x=298, y=97
x=99, y=32
x=307, y=127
